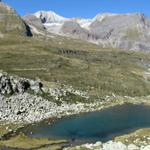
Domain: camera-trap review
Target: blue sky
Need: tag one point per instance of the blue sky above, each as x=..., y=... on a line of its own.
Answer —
x=81, y=8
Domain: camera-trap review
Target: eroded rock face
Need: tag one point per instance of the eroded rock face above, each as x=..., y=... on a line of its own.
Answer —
x=127, y=31
x=34, y=21
x=74, y=29
x=11, y=22
x=11, y=85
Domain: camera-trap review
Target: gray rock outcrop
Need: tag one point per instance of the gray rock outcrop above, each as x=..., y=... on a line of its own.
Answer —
x=26, y=100
x=129, y=31
x=75, y=30
x=11, y=85
x=33, y=21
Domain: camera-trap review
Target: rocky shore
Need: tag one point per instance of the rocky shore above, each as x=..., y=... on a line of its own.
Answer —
x=110, y=145
x=138, y=140
x=27, y=101
x=24, y=101
x=28, y=108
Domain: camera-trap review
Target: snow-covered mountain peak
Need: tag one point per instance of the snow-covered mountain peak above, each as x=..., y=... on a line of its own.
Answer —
x=49, y=17
x=53, y=22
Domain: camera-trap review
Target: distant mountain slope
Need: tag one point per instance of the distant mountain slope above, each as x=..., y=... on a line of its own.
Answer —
x=124, y=31
x=11, y=22
x=54, y=22
x=73, y=29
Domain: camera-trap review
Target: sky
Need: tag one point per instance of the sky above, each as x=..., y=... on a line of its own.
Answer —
x=81, y=8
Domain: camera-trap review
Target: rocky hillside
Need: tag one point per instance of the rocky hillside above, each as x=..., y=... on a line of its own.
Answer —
x=73, y=29
x=11, y=22
x=24, y=100
x=129, y=31
x=124, y=31
x=34, y=23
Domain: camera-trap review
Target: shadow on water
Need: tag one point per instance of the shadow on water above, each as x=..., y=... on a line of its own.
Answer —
x=95, y=126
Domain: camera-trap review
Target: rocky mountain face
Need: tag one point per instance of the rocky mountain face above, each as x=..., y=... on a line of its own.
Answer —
x=73, y=29
x=11, y=22
x=124, y=31
x=54, y=22
x=51, y=21
x=49, y=17
x=129, y=31
x=33, y=20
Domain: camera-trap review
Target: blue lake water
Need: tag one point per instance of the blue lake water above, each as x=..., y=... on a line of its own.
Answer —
x=96, y=126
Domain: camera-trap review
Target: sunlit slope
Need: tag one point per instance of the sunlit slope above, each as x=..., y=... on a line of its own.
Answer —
x=11, y=22
x=85, y=66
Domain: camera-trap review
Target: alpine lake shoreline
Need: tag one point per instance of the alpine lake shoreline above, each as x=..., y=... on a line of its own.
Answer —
x=13, y=133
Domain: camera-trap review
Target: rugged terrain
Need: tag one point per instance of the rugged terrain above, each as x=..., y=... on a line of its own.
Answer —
x=52, y=75
x=124, y=31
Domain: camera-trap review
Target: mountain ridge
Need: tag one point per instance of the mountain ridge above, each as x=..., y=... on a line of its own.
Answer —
x=129, y=31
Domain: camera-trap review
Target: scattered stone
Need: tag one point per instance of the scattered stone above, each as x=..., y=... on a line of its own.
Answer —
x=133, y=147
x=114, y=146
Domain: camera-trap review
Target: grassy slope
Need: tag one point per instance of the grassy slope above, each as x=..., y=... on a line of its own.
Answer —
x=83, y=65
x=10, y=22
x=138, y=137
x=24, y=142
